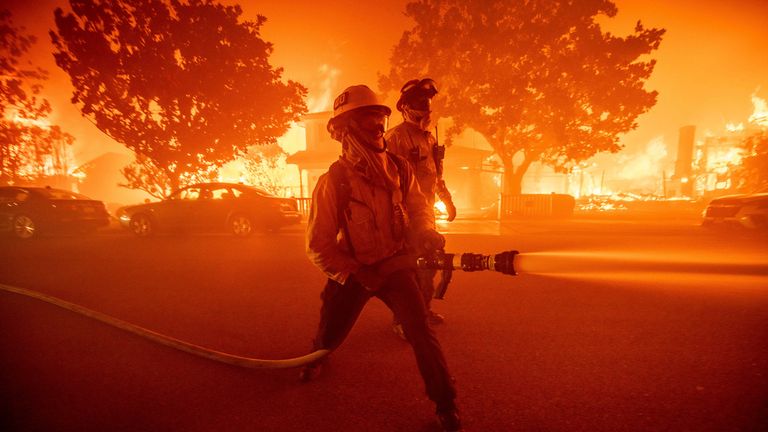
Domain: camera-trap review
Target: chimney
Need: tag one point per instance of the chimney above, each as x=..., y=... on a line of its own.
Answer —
x=684, y=163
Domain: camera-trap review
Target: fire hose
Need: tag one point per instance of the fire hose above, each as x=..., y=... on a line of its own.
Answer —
x=503, y=263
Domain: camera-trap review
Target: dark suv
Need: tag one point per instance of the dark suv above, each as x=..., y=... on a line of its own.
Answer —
x=748, y=211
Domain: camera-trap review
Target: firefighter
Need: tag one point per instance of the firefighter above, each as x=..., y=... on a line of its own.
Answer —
x=366, y=209
x=412, y=140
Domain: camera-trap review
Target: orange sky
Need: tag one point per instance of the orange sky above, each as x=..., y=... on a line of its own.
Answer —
x=711, y=60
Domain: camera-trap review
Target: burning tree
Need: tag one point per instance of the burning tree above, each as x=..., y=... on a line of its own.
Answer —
x=184, y=84
x=266, y=168
x=31, y=149
x=539, y=80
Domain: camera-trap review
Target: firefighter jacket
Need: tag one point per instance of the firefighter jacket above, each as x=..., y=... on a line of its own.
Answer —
x=369, y=216
x=414, y=144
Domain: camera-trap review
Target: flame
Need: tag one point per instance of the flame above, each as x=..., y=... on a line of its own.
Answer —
x=42, y=123
x=322, y=102
x=721, y=160
x=732, y=127
x=647, y=163
x=760, y=114
x=232, y=172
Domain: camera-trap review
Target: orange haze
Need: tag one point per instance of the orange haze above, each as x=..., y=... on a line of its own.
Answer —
x=712, y=58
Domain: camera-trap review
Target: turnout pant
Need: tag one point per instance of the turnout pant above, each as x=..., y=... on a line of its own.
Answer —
x=426, y=278
x=342, y=305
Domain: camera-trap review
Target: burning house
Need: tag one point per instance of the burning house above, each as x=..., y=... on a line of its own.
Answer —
x=472, y=177
x=717, y=154
x=100, y=178
x=321, y=151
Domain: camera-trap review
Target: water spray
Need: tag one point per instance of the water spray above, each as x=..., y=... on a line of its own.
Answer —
x=572, y=264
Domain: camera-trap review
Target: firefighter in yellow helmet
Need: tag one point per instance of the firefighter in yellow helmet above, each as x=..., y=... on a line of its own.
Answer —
x=365, y=210
x=412, y=140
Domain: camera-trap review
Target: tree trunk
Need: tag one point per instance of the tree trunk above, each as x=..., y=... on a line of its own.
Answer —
x=513, y=178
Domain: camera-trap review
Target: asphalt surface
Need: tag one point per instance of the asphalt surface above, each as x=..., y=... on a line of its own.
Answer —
x=677, y=344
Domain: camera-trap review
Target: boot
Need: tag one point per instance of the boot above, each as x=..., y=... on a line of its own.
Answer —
x=397, y=329
x=435, y=318
x=449, y=420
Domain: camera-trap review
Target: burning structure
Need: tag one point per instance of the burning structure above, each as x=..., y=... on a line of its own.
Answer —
x=321, y=151
x=682, y=179
x=703, y=168
x=717, y=155
x=471, y=175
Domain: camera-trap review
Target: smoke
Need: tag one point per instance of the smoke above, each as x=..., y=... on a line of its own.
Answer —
x=648, y=162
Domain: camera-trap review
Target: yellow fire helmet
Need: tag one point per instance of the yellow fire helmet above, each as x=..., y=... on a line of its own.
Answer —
x=352, y=98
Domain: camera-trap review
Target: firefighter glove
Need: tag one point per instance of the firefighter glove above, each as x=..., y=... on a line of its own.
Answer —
x=445, y=197
x=431, y=240
x=450, y=208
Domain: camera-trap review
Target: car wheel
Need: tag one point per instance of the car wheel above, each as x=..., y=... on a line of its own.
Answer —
x=24, y=227
x=241, y=225
x=141, y=225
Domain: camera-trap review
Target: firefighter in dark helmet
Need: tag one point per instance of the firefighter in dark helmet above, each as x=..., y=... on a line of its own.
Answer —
x=413, y=141
x=366, y=209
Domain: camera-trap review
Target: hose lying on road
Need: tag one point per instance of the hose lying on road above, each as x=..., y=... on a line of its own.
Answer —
x=169, y=341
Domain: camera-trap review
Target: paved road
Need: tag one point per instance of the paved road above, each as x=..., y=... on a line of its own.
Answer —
x=670, y=345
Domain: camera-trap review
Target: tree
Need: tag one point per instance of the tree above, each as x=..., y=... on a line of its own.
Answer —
x=266, y=168
x=539, y=79
x=30, y=148
x=184, y=84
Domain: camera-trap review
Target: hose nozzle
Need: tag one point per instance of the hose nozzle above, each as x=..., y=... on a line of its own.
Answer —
x=503, y=262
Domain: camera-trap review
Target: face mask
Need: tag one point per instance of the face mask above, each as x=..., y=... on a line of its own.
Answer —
x=369, y=128
x=420, y=118
x=422, y=103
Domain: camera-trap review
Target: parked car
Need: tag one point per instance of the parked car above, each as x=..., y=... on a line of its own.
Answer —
x=211, y=207
x=746, y=210
x=26, y=212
